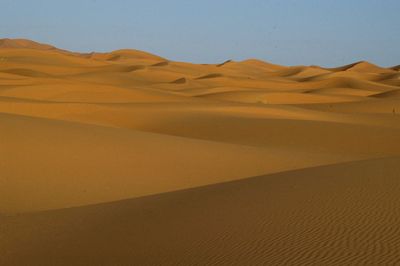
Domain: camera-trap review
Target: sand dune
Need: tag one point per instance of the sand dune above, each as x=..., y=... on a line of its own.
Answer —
x=23, y=43
x=130, y=158
x=75, y=164
x=333, y=215
x=362, y=66
x=388, y=94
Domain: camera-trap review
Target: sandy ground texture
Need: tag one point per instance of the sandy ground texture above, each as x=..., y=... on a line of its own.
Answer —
x=128, y=158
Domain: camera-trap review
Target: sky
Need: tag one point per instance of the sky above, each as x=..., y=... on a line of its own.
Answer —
x=288, y=32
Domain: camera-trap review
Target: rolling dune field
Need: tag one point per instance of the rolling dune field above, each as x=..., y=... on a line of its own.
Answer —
x=128, y=158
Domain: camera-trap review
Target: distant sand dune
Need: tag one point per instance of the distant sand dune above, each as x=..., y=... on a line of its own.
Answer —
x=210, y=76
x=124, y=54
x=26, y=72
x=362, y=66
x=388, y=94
x=179, y=81
x=163, y=63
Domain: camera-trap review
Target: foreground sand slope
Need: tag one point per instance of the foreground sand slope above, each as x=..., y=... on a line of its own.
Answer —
x=332, y=215
x=47, y=164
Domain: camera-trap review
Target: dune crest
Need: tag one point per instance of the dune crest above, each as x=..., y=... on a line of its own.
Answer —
x=24, y=44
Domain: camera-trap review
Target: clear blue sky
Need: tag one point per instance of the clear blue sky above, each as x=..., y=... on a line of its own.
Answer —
x=290, y=32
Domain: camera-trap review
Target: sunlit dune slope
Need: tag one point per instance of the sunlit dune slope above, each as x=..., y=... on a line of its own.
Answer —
x=68, y=164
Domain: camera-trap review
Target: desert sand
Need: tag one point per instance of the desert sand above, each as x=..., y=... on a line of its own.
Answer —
x=128, y=158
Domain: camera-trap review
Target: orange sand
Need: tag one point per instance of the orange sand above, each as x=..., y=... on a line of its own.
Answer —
x=127, y=158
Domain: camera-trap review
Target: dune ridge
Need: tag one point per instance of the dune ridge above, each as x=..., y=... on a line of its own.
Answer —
x=127, y=157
